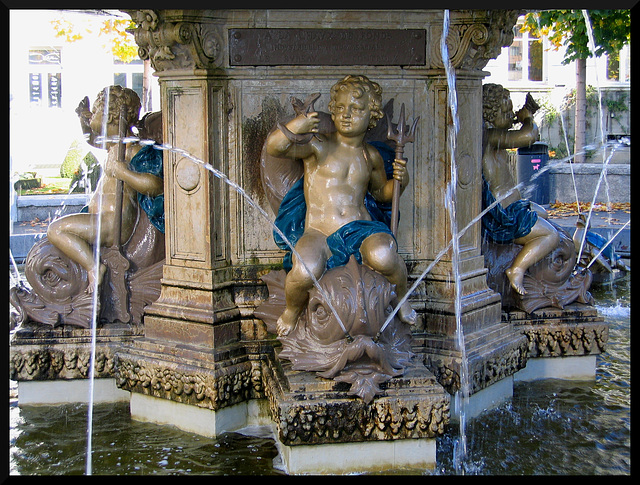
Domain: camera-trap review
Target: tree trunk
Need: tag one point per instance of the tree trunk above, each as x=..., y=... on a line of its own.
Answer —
x=581, y=111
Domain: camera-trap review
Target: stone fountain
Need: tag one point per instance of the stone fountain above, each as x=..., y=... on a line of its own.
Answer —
x=199, y=350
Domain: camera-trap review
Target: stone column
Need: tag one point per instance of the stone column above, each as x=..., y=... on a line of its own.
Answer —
x=195, y=306
x=472, y=40
x=189, y=365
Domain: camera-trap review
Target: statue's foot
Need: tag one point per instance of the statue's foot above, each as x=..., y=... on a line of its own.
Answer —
x=287, y=322
x=407, y=314
x=92, y=277
x=516, y=277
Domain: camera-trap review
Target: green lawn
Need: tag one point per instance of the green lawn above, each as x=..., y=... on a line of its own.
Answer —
x=50, y=185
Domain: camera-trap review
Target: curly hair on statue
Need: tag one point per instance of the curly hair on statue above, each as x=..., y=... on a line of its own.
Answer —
x=492, y=97
x=118, y=96
x=360, y=85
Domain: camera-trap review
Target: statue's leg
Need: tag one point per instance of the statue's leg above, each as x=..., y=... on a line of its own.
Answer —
x=70, y=234
x=314, y=252
x=542, y=239
x=380, y=252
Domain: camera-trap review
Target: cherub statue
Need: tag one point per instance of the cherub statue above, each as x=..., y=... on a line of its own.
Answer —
x=60, y=267
x=74, y=234
x=514, y=219
x=340, y=170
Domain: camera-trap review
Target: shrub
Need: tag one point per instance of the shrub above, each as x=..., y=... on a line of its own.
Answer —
x=72, y=160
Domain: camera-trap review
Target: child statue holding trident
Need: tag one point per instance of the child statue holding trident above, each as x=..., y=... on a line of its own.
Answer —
x=140, y=171
x=341, y=173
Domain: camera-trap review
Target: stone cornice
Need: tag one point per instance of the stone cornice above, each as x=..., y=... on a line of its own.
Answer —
x=181, y=40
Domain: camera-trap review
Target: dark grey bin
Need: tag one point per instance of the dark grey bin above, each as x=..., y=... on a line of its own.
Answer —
x=531, y=161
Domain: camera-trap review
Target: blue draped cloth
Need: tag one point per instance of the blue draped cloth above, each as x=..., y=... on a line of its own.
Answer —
x=347, y=240
x=149, y=160
x=599, y=242
x=504, y=224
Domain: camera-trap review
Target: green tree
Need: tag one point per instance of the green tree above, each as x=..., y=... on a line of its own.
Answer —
x=611, y=31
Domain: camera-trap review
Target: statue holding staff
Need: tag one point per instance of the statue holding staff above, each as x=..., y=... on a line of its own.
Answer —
x=340, y=169
x=75, y=234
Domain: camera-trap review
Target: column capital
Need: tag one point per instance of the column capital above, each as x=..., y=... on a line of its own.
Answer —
x=473, y=40
x=176, y=43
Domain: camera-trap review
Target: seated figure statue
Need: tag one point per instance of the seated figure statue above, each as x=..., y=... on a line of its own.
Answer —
x=530, y=260
x=513, y=219
x=339, y=170
x=74, y=234
x=329, y=177
x=60, y=267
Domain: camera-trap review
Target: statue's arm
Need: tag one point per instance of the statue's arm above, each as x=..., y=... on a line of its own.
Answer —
x=144, y=183
x=523, y=137
x=278, y=145
x=380, y=188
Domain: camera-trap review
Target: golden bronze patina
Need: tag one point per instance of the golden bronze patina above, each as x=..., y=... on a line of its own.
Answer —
x=339, y=169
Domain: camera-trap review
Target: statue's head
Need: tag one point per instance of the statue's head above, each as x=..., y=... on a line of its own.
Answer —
x=118, y=97
x=497, y=107
x=360, y=86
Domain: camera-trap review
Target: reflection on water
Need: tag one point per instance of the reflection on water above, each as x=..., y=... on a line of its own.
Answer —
x=549, y=427
x=53, y=440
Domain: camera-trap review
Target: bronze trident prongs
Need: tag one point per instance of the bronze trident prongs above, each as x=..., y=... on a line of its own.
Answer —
x=402, y=136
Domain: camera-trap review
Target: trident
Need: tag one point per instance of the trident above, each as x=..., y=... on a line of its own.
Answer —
x=401, y=137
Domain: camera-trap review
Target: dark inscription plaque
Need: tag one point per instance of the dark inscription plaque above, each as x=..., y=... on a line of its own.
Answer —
x=326, y=47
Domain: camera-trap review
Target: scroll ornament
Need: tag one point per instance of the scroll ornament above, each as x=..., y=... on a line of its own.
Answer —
x=175, y=45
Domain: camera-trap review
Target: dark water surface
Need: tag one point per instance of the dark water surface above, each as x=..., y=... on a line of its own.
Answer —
x=549, y=427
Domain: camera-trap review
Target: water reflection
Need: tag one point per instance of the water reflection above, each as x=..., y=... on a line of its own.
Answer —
x=51, y=440
x=549, y=427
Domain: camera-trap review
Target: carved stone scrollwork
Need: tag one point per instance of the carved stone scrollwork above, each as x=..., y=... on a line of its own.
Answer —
x=50, y=363
x=471, y=46
x=175, y=45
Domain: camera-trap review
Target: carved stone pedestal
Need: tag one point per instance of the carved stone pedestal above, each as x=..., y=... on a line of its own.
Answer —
x=60, y=357
x=321, y=429
x=186, y=374
x=561, y=343
x=494, y=352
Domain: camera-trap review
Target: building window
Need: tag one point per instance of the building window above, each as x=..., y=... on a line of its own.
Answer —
x=35, y=88
x=525, y=57
x=131, y=80
x=120, y=78
x=48, y=56
x=55, y=93
x=45, y=78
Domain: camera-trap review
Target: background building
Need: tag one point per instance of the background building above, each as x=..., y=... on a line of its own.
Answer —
x=530, y=65
x=49, y=76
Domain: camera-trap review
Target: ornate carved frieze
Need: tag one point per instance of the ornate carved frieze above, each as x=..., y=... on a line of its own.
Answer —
x=566, y=340
x=211, y=388
x=473, y=43
x=37, y=363
x=484, y=370
x=175, y=45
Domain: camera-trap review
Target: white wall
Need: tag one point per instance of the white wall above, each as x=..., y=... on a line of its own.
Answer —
x=41, y=135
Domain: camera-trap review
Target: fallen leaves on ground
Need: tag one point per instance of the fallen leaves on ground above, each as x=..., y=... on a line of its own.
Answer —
x=36, y=222
x=563, y=209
